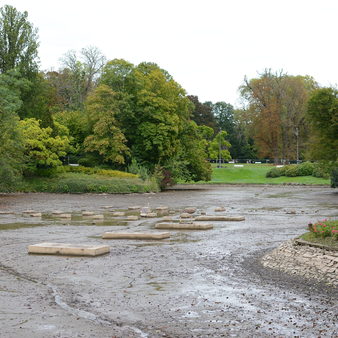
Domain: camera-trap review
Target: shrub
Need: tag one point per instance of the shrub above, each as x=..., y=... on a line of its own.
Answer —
x=325, y=228
x=305, y=169
x=137, y=169
x=274, y=172
x=291, y=170
x=334, y=178
x=98, y=171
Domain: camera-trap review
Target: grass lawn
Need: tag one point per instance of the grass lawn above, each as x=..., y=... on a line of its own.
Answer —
x=255, y=173
x=83, y=183
x=327, y=241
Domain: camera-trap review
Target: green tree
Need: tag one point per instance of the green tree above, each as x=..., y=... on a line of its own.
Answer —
x=219, y=146
x=11, y=147
x=41, y=149
x=202, y=113
x=106, y=138
x=18, y=42
x=322, y=113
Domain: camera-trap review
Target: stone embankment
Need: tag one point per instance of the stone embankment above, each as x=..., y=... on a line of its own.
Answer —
x=304, y=260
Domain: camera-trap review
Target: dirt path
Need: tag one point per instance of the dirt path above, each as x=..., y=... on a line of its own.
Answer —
x=196, y=284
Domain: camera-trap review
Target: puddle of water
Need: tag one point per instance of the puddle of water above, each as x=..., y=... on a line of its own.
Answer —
x=281, y=195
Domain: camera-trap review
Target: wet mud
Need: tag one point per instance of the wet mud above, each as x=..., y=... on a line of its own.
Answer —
x=194, y=284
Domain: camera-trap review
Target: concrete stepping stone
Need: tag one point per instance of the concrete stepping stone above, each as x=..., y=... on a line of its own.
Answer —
x=149, y=214
x=118, y=214
x=134, y=207
x=57, y=212
x=219, y=218
x=185, y=226
x=186, y=215
x=219, y=209
x=36, y=214
x=132, y=218
x=107, y=207
x=167, y=219
x=135, y=235
x=3, y=212
x=88, y=213
x=68, y=249
x=65, y=215
x=161, y=211
x=189, y=210
x=97, y=217
x=29, y=211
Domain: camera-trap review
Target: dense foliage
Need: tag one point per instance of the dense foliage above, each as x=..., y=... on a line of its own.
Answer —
x=137, y=118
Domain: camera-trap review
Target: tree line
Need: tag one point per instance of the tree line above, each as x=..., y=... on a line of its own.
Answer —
x=117, y=114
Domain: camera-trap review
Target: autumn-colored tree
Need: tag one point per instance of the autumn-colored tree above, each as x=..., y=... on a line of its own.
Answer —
x=275, y=111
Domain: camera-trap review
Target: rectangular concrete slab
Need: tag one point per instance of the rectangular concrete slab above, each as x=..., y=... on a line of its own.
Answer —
x=220, y=218
x=184, y=226
x=68, y=249
x=135, y=235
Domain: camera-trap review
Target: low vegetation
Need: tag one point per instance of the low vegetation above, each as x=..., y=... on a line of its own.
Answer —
x=71, y=182
x=256, y=174
x=323, y=232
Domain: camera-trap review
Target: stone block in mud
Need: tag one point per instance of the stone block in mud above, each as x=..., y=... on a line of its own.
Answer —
x=189, y=210
x=29, y=211
x=220, y=218
x=88, y=213
x=132, y=218
x=134, y=207
x=57, y=212
x=4, y=212
x=135, y=235
x=65, y=215
x=97, y=217
x=107, y=207
x=184, y=226
x=219, y=209
x=118, y=214
x=162, y=210
x=68, y=249
x=149, y=214
x=186, y=215
x=167, y=218
x=36, y=214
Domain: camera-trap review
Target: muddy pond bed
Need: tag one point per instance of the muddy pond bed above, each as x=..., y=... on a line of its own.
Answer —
x=193, y=284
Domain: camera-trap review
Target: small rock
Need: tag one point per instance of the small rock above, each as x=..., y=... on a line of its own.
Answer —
x=190, y=210
x=219, y=209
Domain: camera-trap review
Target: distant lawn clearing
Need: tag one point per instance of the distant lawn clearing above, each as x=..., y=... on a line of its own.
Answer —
x=255, y=174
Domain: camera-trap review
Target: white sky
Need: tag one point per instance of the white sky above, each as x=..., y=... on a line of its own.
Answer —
x=207, y=46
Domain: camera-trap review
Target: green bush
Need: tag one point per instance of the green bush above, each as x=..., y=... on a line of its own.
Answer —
x=334, y=178
x=305, y=169
x=98, y=171
x=139, y=170
x=291, y=170
x=274, y=172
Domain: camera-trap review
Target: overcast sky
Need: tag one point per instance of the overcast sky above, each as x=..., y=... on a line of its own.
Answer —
x=207, y=46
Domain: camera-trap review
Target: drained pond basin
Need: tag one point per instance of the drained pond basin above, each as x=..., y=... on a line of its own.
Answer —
x=194, y=284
